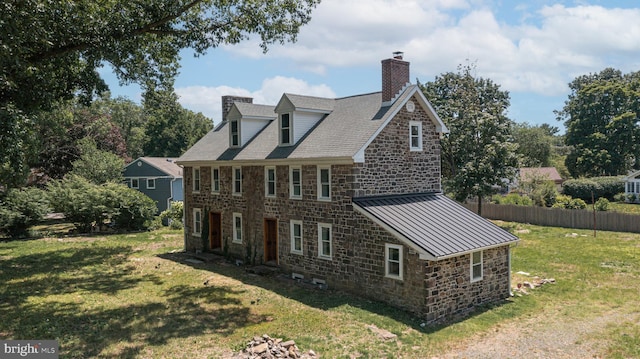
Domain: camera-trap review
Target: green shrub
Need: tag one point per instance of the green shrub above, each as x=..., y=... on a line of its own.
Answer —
x=174, y=213
x=544, y=194
x=631, y=197
x=602, y=204
x=133, y=209
x=566, y=202
x=81, y=201
x=22, y=208
x=87, y=205
x=606, y=187
x=512, y=198
x=620, y=197
x=609, y=186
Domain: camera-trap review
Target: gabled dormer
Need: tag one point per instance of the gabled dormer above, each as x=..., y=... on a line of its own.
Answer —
x=298, y=114
x=246, y=120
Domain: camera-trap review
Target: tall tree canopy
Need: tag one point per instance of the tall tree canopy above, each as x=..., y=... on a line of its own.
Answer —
x=534, y=145
x=602, y=118
x=478, y=153
x=171, y=129
x=51, y=50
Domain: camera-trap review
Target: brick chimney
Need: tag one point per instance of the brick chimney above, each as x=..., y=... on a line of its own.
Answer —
x=227, y=102
x=395, y=76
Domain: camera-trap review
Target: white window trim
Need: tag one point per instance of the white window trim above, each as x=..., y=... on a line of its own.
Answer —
x=137, y=183
x=213, y=188
x=387, y=259
x=197, y=231
x=319, y=184
x=481, y=264
x=290, y=139
x=266, y=181
x=320, y=254
x=419, y=125
x=237, y=179
x=291, y=169
x=193, y=180
x=154, y=183
x=292, y=224
x=236, y=238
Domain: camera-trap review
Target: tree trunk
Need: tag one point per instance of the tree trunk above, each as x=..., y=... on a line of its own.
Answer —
x=479, y=205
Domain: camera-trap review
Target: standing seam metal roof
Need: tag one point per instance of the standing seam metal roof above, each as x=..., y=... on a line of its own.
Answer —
x=435, y=223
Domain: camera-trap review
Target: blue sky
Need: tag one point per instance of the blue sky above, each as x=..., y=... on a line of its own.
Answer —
x=532, y=49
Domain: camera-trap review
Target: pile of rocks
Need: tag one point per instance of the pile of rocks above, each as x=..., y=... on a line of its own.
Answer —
x=536, y=282
x=265, y=347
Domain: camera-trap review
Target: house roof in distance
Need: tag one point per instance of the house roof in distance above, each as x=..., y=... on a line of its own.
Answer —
x=433, y=224
x=550, y=172
x=167, y=165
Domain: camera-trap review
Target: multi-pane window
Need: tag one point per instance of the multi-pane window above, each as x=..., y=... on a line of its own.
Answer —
x=215, y=180
x=237, y=180
x=270, y=181
x=476, y=266
x=135, y=183
x=285, y=129
x=393, y=261
x=296, y=237
x=324, y=240
x=237, y=228
x=197, y=221
x=295, y=182
x=151, y=183
x=324, y=183
x=196, y=179
x=415, y=135
x=234, y=133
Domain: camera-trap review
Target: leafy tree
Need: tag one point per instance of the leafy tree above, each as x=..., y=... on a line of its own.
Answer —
x=534, y=145
x=602, y=117
x=130, y=119
x=97, y=166
x=171, y=129
x=61, y=130
x=478, y=154
x=51, y=50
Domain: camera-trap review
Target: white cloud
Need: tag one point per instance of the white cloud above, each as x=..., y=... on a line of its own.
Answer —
x=207, y=99
x=539, y=52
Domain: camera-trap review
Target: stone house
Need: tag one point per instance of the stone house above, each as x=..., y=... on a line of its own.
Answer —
x=160, y=178
x=345, y=192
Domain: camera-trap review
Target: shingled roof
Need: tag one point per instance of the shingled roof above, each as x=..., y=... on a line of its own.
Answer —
x=165, y=164
x=349, y=125
x=433, y=224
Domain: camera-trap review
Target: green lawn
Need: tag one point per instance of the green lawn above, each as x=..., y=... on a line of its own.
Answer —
x=633, y=208
x=133, y=296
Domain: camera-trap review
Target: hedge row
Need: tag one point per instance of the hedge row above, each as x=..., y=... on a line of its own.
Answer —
x=600, y=187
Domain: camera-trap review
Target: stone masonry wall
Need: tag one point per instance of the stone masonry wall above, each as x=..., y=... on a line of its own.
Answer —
x=390, y=168
x=450, y=292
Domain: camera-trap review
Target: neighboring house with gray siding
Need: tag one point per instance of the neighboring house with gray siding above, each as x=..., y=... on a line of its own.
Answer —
x=345, y=192
x=160, y=178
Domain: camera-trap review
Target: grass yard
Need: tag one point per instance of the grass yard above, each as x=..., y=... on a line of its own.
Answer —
x=134, y=296
x=632, y=208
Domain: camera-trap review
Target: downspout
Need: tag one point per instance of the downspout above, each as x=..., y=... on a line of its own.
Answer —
x=509, y=256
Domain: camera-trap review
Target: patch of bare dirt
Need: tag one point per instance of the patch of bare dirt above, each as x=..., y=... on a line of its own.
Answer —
x=543, y=336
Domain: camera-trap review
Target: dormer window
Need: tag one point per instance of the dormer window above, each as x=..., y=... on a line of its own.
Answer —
x=285, y=129
x=234, y=133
